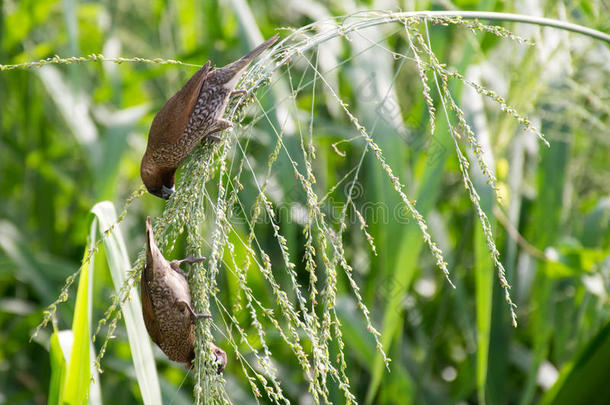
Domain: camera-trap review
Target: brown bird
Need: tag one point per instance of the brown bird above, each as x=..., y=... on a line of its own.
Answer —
x=189, y=116
x=166, y=305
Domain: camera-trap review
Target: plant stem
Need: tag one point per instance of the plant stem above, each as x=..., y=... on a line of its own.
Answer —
x=374, y=18
x=526, y=19
x=369, y=20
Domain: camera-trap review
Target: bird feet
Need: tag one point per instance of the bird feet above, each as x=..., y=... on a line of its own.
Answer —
x=189, y=260
x=194, y=315
x=218, y=126
x=236, y=92
x=175, y=264
x=212, y=137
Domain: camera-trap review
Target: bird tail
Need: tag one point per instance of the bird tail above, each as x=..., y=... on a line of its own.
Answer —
x=240, y=64
x=259, y=49
x=150, y=241
x=229, y=75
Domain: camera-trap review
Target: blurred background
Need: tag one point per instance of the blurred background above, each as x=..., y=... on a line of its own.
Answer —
x=73, y=135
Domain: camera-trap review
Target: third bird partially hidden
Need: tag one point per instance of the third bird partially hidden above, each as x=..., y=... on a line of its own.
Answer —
x=192, y=114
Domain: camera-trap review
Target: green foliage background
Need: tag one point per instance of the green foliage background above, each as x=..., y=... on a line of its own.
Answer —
x=73, y=135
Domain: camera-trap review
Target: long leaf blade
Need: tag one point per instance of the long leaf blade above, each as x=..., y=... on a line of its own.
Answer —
x=76, y=384
x=118, y=262
x=58, y=370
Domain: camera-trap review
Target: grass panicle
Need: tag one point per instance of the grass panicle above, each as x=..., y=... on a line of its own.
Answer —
x=307, y=323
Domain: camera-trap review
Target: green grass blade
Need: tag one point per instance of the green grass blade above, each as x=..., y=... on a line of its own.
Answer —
x=545, y=228
x=398, y=384
x=76, y=384
x=484, y=270
x=61, y=345
x=484, y=265
x=412, y=244
x=585, y=379
x=597, y=224
x=58, y=370
x=118, y=262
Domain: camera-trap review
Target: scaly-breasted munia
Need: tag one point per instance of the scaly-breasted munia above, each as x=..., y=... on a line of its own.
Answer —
x=166, y=305
x=192, y=114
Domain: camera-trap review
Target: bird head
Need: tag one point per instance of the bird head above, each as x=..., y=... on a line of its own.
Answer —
x=220, y=359
x=159, y=181
x=220, y=356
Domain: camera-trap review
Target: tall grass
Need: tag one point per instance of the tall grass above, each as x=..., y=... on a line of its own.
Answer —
x=324, y=216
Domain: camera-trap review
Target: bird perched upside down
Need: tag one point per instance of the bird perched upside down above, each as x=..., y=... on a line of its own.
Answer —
x=192, y=114
x=166, y=305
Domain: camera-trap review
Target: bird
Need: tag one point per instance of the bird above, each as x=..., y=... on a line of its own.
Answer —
x=191, y=115
x=167, y=307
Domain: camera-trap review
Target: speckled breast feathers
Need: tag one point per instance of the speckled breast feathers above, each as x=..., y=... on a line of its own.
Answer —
x=166, y=303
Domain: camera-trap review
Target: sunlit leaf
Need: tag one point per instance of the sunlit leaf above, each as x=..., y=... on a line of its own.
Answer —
x=118, y=262
x=78, y=374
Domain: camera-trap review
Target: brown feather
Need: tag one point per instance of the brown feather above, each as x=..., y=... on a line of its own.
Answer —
x=165, y=298
x=167, y=305
x=148, y=312
x=189, y=116
x=170, y=122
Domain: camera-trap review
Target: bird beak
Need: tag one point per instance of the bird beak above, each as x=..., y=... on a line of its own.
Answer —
x=167, y=192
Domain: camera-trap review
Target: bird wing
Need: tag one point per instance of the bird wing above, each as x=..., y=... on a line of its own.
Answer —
x=171, y=121
x=148, y=312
